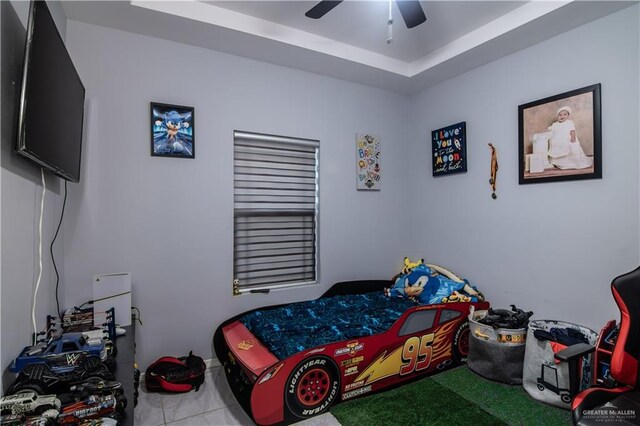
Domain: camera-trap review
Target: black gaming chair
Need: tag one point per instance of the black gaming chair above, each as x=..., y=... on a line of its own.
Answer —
x=619, y=405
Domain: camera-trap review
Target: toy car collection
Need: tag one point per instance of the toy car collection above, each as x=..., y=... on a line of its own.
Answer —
x=74, y=360
x=69, y=358
x=91, y=402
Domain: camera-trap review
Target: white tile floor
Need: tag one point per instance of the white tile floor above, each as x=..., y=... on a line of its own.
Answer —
x=212, y=405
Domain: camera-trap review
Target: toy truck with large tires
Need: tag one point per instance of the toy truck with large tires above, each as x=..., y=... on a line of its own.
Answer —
x=53, y=366
x=30, y=403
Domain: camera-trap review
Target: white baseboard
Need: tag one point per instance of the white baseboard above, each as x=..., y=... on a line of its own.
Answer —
x=210, y=363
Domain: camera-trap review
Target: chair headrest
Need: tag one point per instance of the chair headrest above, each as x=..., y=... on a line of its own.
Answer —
x=626, y=353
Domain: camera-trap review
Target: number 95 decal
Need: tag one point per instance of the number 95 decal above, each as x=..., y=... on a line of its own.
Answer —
x=416, y=354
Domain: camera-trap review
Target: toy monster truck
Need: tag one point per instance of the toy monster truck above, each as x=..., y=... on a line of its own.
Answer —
x=96, y=386
x=55, y=365
x=29, y=403
x=92, y=407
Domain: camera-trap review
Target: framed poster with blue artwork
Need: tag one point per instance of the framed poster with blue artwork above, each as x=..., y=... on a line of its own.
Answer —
x=172, y=131
x=449, y=149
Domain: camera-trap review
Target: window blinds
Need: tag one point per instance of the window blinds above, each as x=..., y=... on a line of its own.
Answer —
x=275, y=211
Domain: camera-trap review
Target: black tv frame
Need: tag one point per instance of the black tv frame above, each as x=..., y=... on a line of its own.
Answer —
x=21, y=147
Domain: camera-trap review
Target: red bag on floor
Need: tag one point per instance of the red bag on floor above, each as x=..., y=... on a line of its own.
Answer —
x=169, y=374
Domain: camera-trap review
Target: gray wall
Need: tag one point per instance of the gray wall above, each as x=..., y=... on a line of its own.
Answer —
x=555, y=247
x=21, y=190
x=169, y=221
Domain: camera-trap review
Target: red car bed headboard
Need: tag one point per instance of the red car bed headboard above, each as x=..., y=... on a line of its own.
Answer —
x=626, y=354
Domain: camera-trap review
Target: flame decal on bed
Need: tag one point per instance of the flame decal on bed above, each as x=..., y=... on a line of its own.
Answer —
x=442, y=343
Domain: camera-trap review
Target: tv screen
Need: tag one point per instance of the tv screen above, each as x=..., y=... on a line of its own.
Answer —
x=52, y=99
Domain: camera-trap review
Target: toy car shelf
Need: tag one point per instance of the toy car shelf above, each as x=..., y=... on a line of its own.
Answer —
x=60, y=364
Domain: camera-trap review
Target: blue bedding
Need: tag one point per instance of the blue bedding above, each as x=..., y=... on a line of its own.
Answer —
x=299, y=326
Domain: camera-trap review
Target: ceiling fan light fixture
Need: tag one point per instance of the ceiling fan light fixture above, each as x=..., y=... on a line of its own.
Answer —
x=411, y=11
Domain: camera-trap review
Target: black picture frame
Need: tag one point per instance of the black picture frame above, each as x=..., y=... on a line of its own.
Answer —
x=172, y=130
x=449, y=149
x=544, y=152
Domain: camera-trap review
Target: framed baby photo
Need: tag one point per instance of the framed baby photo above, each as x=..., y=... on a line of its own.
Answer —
x=560, y=137
x=172, y=131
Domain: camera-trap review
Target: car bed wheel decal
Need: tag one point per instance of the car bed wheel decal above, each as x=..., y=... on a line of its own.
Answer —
x=313, y=387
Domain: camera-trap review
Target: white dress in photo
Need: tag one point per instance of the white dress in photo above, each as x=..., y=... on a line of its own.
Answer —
x=563, y=153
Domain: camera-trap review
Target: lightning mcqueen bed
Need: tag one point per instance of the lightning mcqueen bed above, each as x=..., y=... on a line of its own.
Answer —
x=290, y=362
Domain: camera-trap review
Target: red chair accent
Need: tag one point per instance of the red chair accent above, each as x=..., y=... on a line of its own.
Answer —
x=619, y=405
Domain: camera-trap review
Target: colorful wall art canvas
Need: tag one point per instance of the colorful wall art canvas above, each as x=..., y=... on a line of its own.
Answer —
x=449, y=148
x=368, y=161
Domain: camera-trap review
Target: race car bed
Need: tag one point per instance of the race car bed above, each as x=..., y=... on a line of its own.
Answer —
x=289, y=362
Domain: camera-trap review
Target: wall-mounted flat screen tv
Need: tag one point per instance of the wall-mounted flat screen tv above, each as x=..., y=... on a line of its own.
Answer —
x=51, y=100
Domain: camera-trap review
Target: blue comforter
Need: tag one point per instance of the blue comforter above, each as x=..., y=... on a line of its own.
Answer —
x=299, y=326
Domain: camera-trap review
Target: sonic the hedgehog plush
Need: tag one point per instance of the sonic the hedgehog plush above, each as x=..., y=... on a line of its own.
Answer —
x=427, y=284
x=411, y=284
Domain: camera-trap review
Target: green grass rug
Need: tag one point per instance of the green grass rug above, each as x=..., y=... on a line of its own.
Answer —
x=455, y=397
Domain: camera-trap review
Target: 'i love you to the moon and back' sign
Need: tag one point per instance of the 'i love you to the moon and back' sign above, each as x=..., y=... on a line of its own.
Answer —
x=449, y=148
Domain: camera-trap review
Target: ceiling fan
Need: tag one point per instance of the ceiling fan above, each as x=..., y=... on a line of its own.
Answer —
x=410, y=10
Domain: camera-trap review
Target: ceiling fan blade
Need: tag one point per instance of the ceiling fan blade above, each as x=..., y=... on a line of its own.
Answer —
x=322, y=8
x=411, y=12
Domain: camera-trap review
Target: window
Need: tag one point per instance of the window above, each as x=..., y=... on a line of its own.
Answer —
x=275, y=211
x=418, y=321
x=448, y=315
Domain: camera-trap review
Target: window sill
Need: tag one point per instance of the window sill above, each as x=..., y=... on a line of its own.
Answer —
x=277, y=287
